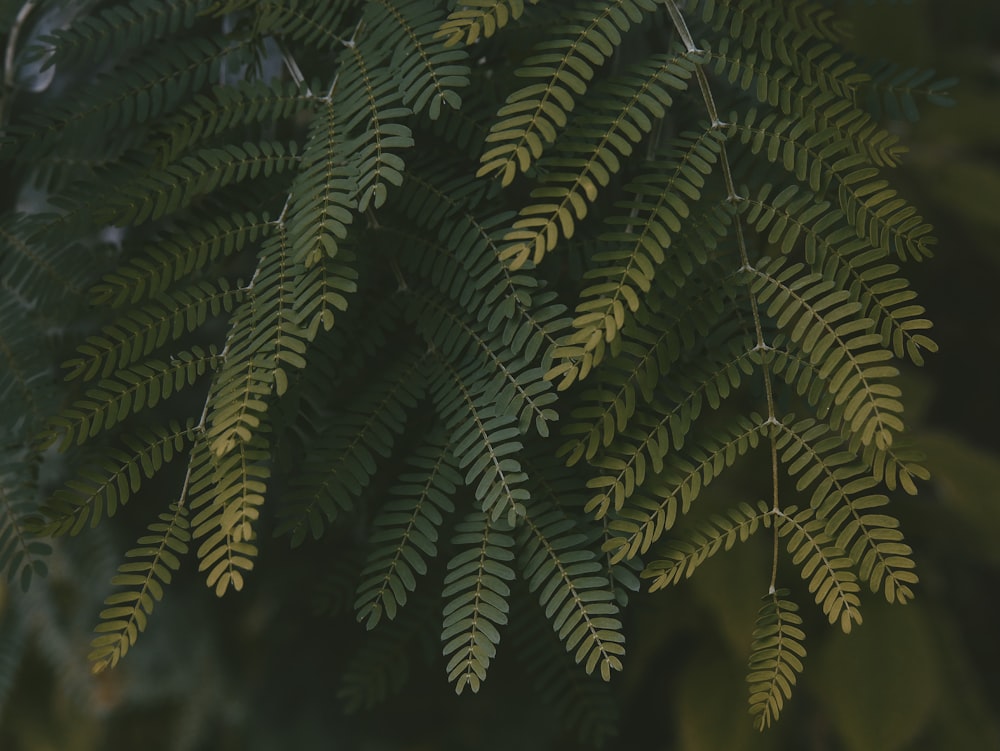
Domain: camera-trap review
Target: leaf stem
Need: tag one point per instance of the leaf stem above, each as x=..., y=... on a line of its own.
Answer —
x=734, y=198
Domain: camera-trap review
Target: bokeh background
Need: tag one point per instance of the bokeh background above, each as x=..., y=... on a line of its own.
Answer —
x=924, y=677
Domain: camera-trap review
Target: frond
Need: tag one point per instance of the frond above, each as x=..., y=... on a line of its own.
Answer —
x=341, y=459
x=643, y=252
x=156, y=557
x=678, y=559
x=635, y=403
x=775, y=657
x=822, y=564
x=371, y=95
x=795, y=217
x=130, y=390
x=321, y=203
x=22, y=553
x=405, y=532
x=654, y=510
x=131, y=94
x=533, y=114
x=427, y=73
x=187, y=249
x=27, y=371
x=842, y=495
x=224, y=519
x=116, y=30
x=99, y=491
x=484, y=440
x=618, y=116
x=876, y=211
x=264, y=339
x=475, y=593
x=479, y=19
x=139, y=331
x=894, y=91
x=572, y=591
x=227, y=107
x=820, y=318
x=509, y=380
x=157, y=192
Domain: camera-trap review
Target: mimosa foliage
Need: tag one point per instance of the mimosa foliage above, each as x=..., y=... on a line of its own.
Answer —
x=392, y=267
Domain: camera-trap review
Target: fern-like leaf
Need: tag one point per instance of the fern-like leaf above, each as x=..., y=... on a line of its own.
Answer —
x=679, y=558
x=155, y=559
x=775, y=657
x=826, y=568
x=406, y=530
x=576, y=598
x=476, y=592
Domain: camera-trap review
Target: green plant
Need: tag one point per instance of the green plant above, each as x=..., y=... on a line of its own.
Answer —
x=499, y=290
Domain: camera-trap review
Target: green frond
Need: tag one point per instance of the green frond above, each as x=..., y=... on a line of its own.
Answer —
x=816, y=90
x=763, y=20
x=264, y=339
x=464, y=262
x=130, y=390
x=628, y=263
x=775, y=657
x=371, y=95
x=478, y=19
x=637, y=377
x=533, y=114
x=795, y=217
x=22, y=553
x=321, y=290
x=820, y=318
x=572, y=590
x=321, y=203
x=894, y=91
x=35, y=271
x=678, y=558
x=654, y=509
x=485, y=440
x=341, y=459
x=475, y=593
x=843, y=495
x=618, y=116
x=224, y=519
x=826, y=568
x=561, y=487
x=132, y=94
x=98, y=491
x=509, y=381
x=27, y=371
x=187, y=249
x=116, y=30
x=427, y=73
x=157, y=192
x=141, y=330
x=227, y=107
x=154, y=560
x=405, y=531
x=875, y=210
x=319, y=26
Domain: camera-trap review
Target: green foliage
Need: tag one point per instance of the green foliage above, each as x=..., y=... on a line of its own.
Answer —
x=344, y=240
x=775, y=657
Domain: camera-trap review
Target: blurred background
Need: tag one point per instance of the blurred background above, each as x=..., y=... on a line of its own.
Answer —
x=924, y=677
